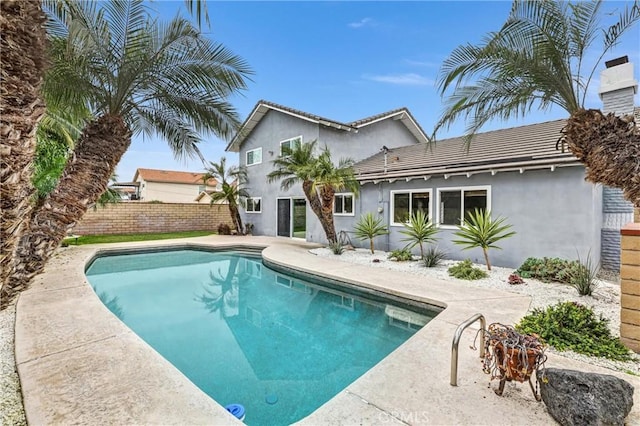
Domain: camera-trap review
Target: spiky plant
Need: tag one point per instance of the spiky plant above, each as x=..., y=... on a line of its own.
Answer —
x=419, y=230
x=480, y=230
x=369, y=227
x=539, y=58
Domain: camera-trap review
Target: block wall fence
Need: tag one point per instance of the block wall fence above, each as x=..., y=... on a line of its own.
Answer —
x=630, y=284
x=139, y=218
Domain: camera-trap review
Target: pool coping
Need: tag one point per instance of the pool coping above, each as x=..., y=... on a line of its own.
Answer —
x=70, y=350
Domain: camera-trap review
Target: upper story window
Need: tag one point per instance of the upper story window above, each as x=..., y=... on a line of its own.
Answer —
x=343, y=204
x=291, y=144
x=456, y=203
x=254, y=156
x=405, y=203
x=254, y=205
x=201, y=188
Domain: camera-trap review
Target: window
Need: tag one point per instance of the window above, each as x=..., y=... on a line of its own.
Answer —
x=254, y=156
x=201, y=188
x=405, y=203
x=254, y=205
x=343, y=204
x=456, y=203
x=292, y=143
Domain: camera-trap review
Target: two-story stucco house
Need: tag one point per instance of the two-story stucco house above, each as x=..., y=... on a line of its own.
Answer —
x=270, y=127
x=518, y=173
x=170, y=186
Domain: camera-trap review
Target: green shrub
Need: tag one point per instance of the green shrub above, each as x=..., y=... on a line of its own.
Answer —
x=572, y=326
x=466, y=271
x=433, y=257
x=401, y=255
x=547, y=269
x=336, y=248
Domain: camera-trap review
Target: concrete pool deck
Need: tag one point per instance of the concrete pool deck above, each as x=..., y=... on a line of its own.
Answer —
x=78, y=364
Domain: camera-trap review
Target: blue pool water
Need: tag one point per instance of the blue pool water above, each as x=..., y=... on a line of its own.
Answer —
x=279, y=345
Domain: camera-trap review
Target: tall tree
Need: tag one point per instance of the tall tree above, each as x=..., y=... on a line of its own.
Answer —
x=232, y=190
x=22, y=57
x=320, y=179
x=135, y=75
x=539, y=58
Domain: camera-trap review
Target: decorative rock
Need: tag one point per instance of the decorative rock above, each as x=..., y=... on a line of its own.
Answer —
x=584, y=399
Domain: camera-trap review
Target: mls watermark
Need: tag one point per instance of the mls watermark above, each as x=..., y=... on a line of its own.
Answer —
x=411, y=417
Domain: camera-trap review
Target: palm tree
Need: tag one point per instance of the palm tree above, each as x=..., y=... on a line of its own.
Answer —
x=135, y=75
x=320, y=180
x=23, y=46
x=22, y=53
x=232, y=192
x=538, y=58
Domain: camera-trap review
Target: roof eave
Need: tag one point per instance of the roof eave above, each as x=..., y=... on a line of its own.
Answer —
x=417, y=173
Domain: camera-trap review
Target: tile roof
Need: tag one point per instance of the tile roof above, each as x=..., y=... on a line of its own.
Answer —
x=524, y=146
x=170, y=176
x=262, y=107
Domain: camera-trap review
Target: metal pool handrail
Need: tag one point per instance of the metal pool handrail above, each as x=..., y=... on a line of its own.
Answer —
x=456, y=341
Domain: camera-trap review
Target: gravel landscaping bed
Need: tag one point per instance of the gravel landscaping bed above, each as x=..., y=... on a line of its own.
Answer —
x=605, y=300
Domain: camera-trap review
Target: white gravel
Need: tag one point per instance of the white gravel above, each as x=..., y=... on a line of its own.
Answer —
x=605, y=300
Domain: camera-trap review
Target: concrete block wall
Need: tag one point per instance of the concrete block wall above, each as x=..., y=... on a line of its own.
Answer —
x=134, y=218
x=630, y=284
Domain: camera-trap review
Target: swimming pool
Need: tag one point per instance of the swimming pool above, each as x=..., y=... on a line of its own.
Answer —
x=278, y=344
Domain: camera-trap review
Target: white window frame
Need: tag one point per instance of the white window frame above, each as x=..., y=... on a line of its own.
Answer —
x=462, y=189
x=246, y=158
x=344, y=194
x=289, y=140
x=410, y=192
x=253, y=200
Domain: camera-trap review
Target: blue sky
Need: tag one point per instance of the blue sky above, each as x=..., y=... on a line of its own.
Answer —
x=346, y=61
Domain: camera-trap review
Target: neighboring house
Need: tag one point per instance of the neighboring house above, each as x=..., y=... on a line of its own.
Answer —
x=170, y=186
x=270, y=127
x=518, y=173
x=205, y=197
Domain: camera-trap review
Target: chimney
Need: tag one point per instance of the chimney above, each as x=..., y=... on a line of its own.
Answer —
x=618, y=87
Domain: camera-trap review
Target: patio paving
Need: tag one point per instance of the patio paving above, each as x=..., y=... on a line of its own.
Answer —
x=78, y=364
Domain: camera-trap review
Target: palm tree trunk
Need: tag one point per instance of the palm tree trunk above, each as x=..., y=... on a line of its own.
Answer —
x=609, y=147
x=485, y=251
x=327, y=194
x=236, y=218
x=99, y=149
x=316, y=206
x=23, y=57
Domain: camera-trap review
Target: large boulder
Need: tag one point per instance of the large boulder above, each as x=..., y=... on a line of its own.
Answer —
x=584, y=399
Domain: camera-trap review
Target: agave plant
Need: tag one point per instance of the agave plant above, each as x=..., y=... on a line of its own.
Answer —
x=419, y=230
x=479, y=230
x=369, y=227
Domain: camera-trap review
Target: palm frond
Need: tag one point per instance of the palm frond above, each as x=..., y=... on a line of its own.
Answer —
x=534, y=60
